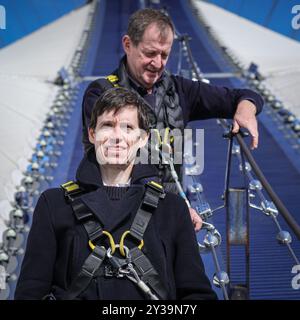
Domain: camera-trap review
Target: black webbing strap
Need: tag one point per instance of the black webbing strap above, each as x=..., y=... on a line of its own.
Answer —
x=147, y=272
x=154, y=192
x=87, y=218
x=86, y=274
x=73, y=192
x=94, y=230
x=148, y=205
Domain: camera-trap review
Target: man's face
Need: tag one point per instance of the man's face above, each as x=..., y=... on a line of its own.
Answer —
x=146, y=61
x=117, y=137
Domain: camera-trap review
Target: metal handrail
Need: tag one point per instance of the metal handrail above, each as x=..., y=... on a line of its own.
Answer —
x=273, y=196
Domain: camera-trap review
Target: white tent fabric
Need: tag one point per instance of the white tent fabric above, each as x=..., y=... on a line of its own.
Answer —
x=27, y=68
x=277, y=56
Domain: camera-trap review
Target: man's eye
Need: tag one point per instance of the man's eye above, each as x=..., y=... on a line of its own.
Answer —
x=150, y=54
x=127, y=128
x=106, y=126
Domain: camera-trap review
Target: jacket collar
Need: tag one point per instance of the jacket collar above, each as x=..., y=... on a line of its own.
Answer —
x=89, y=174
x=125, y=80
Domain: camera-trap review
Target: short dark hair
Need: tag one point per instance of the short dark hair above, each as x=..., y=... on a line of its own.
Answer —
x=115, y=99
x=141, y=19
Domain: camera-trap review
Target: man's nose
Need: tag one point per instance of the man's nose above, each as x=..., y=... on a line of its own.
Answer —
x=157, y=61
x=117, y=134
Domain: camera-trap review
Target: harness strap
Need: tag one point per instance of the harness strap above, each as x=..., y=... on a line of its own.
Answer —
x=87, y=273
x=154, y=192
x=83, y=215
x=73, y=193
x=147, y=272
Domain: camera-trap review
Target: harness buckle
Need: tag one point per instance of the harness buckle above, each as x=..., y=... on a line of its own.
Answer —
x=156, y=187
x=113, y=79
x=71, y=189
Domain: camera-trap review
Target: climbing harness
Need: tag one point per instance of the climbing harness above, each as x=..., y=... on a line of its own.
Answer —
x=133, y=263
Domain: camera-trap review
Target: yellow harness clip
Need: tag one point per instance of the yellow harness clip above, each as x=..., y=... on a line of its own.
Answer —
x=140, y=246
x=70, y=186
x=155, y=184
x=111, y=242
x=167, y=139
x=113, y=79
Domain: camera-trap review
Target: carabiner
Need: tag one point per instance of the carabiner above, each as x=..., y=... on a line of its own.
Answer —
x=140, y=246
x=111, y=242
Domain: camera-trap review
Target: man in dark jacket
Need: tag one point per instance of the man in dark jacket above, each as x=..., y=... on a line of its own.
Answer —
x=72, y=249
x=172, y=100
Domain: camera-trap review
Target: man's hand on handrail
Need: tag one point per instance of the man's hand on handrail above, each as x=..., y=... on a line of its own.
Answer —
x=245, y=118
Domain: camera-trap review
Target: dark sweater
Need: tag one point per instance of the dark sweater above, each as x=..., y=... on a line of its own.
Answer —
x=115, y=193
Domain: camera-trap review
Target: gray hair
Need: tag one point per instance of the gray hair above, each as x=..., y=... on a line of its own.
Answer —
x=141, y=19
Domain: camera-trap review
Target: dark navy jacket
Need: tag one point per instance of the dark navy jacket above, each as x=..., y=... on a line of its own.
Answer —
x=58, y=245
x=197, y=99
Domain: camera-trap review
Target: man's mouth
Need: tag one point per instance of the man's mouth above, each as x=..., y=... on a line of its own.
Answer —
x=115, y=148
x=153, y=72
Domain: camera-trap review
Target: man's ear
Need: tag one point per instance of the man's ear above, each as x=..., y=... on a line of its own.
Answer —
x=92, y=135
x=126, y=43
